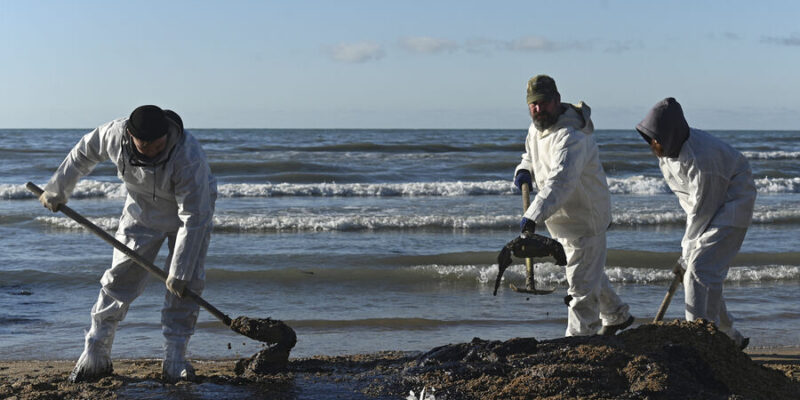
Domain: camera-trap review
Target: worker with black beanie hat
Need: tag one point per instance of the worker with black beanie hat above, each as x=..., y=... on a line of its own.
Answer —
x=170, y=197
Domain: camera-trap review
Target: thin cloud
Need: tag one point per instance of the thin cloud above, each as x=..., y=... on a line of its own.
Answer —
x=538, y=43
x=359, y=52
x=482, y=45
x=428, y=45
x=617, y=48
x=793, y=40
x=623, y=47
x=731, y=36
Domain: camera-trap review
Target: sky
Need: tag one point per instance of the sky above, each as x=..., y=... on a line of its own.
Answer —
x=410, y=64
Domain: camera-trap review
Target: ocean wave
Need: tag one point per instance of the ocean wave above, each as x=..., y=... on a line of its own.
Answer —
x=772, y=155
x=320, y=223
x=656, y=185
x=370, y=147
x=547, y=274
x=358, y=222
x=778, y=185
x=640, y=218
x=86, y=188
x=105, y=223
x=637, y=185
x=368, y=189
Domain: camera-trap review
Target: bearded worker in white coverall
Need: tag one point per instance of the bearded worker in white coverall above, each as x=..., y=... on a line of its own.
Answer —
x=171, y=195
x=715, y=187
x=574, y=203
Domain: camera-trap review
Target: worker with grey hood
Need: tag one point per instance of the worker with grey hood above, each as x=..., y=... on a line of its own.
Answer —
x=715, y=188
x=573, y=201
x=171, y=196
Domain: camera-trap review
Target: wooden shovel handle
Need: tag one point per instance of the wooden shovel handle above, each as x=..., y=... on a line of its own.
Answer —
x=530, y=281
x=147, y=265
x=676, y=281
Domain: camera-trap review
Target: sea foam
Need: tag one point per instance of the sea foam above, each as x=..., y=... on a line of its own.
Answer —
x=636, y=185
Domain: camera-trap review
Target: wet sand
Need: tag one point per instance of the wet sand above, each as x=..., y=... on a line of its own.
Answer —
x=665, y=360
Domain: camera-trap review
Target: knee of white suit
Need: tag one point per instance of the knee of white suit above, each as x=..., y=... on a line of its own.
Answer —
x=107, y=309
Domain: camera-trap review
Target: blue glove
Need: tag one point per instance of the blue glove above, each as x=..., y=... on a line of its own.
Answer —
x=523, y=176
x=527, y=226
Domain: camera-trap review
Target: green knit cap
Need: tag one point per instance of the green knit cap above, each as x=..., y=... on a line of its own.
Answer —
x=541, y=87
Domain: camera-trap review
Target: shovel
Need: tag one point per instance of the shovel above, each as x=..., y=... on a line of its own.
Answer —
x=530, y=282
x=264, y=330
x=676, y=281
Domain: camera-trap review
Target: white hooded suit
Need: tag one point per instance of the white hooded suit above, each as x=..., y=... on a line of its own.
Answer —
x=170, y=197
x=715, y=188
x=573, y=201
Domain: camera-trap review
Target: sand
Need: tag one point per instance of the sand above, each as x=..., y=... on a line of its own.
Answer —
x=653, y=361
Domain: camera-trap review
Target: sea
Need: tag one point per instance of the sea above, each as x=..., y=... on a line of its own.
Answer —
x=366, y=240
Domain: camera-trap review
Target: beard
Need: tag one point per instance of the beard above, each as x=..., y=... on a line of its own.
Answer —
x=544, y=120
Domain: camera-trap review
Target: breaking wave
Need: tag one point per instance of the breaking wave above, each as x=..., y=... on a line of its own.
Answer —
x=356, y=222
x=638, y=185
x=772, y=155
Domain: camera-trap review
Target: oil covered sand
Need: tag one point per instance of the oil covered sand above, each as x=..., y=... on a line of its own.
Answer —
x=654, y=361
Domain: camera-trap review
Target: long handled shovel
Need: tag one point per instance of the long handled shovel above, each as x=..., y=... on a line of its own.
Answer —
x=264, y=330
x=530, y=282
x=676, y=281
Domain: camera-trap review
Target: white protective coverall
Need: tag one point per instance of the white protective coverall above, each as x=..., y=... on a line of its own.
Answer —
x=574, y=203
x=715, y=187
x=169, y=198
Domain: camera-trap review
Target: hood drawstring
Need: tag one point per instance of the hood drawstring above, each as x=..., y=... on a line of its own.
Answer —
x=155, y=177
x=155, y=170
x=122, y=157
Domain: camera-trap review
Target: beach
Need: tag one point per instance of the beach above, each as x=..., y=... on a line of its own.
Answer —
x=667, y=360
x=366, y=241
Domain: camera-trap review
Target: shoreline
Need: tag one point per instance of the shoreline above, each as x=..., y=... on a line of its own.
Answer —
x=664, y=360
x=756, y=353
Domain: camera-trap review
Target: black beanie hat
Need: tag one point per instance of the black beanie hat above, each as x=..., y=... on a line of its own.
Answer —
x=148, y=123
x=175, y=117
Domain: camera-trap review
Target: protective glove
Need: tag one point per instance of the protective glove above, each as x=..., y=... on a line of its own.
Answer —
x=177, y=286
x=52, y=200
x=523, y=176
x=527, y=226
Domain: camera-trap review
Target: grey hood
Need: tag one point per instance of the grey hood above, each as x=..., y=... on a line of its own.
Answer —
x=666, y=124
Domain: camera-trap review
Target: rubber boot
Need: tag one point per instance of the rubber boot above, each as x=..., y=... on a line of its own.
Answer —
x=175, y=366
x=611, y=330
x=95, y=361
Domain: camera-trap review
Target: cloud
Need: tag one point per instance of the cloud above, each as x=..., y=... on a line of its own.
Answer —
x=724, y=36
x=793, y=40
x=482, y=45
x=428, y=45
x=538, y=43
x=359, y=52
x=731, y=36
x=618, y=47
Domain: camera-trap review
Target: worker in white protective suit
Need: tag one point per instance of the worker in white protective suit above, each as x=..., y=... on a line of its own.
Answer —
x=715, y=187
x=171, y=195
x=573, y=201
